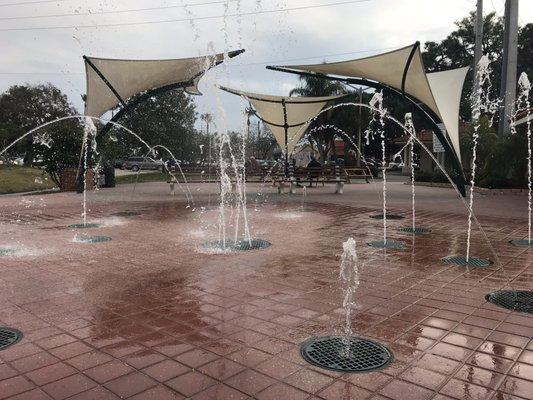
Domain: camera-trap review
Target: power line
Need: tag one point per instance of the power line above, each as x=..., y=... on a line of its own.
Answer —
x=185, y=19
x=322, y=56
x=131, y=10
x=32, y=2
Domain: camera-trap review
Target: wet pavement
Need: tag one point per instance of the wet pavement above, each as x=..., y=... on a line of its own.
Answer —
x=152, y=314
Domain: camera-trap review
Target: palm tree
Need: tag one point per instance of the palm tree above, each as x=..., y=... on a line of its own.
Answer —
x=316, y=87
x=313, y=86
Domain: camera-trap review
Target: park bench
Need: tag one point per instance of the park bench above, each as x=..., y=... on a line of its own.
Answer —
x=352, y=173
x=304, y=175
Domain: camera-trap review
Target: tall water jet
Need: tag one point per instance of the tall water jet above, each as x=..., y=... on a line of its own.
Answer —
x=349, y=276
x=481, y=104
x=89, y=140
x=523, y=104
x=377, y=103
x=412, y=132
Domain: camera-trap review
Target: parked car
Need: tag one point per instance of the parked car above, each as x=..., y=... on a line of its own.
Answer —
x=119, y=163
x=139, y=163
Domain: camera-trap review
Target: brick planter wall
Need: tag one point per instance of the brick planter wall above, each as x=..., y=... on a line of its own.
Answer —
x=68, y=180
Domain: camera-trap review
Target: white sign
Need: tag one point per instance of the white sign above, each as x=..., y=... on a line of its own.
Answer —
x=437, y=145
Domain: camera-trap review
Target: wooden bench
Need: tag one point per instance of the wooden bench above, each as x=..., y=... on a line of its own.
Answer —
x=356, y=173
x=304, y=175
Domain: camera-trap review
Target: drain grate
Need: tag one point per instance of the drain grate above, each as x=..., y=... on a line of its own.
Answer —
x=472, y=261
x=346, y=354
x=516, y=300
x=83, y=226
x=389, y=216
x=389, y=244
x=416, y=230
x=91, y=239
x=522, y=242
x=6, y=251
x=237, y=245
x=126, y=214
x=9, y=337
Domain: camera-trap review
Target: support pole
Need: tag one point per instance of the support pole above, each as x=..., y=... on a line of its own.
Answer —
x=286, y=127
x=478, y=50
x=509, y=65
x=359, y=131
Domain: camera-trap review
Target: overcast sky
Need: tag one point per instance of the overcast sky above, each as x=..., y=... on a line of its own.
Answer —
x=338, y=29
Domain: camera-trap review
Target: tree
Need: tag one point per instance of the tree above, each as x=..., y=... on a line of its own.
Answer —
x=311, y=86
x=457, y=50
x=166, y=119
x=24, y=107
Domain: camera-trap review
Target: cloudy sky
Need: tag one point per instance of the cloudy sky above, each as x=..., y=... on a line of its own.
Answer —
x=44, y=40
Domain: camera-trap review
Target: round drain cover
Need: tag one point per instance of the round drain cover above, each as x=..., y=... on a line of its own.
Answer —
x=389, y=244
x=389, y=216
x=9, y=337
x=6, y=251
x=92, y=239
x=126, y=214
x=522, y=242
x=346, y=354
x=516, y=300
x=471, y=262
x=83, y=226
x=416, y=230
x=237, y=245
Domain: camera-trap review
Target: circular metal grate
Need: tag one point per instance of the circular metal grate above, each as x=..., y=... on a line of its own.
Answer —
x=389, y=244
x=472, y=261
x=237, y=245
x=6, y=251
x=126, y=214
x=83, y=226
x=389, y=216
x=516, y=300
x=92, y=239
x=9, y=337
x=346, y=354
x=416, y=230
x=521, y=242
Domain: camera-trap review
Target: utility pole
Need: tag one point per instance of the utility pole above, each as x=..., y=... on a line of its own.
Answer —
x=258, y=146
x=508, y=81
x=360, y=125
x=478, y=50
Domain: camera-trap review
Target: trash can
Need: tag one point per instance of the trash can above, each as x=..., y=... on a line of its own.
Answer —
x=109, y=176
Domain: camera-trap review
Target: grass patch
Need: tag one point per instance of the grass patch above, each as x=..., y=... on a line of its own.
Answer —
x=18, y=179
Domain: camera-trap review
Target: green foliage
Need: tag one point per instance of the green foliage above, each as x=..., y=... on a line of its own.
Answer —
x=60, y=147
x=24, y=107
x=501, y=162
x=457, y=50
x=316, y=87
x=167, y=119
x=17, y=179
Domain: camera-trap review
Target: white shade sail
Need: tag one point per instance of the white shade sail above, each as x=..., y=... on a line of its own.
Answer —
x=111, y=82
x=404, y=70
x=276, y=111
x=447, y=87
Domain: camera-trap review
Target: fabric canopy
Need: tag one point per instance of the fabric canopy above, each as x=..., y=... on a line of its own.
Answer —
x=111, y=82
x=404, y=70
x=276, y=111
